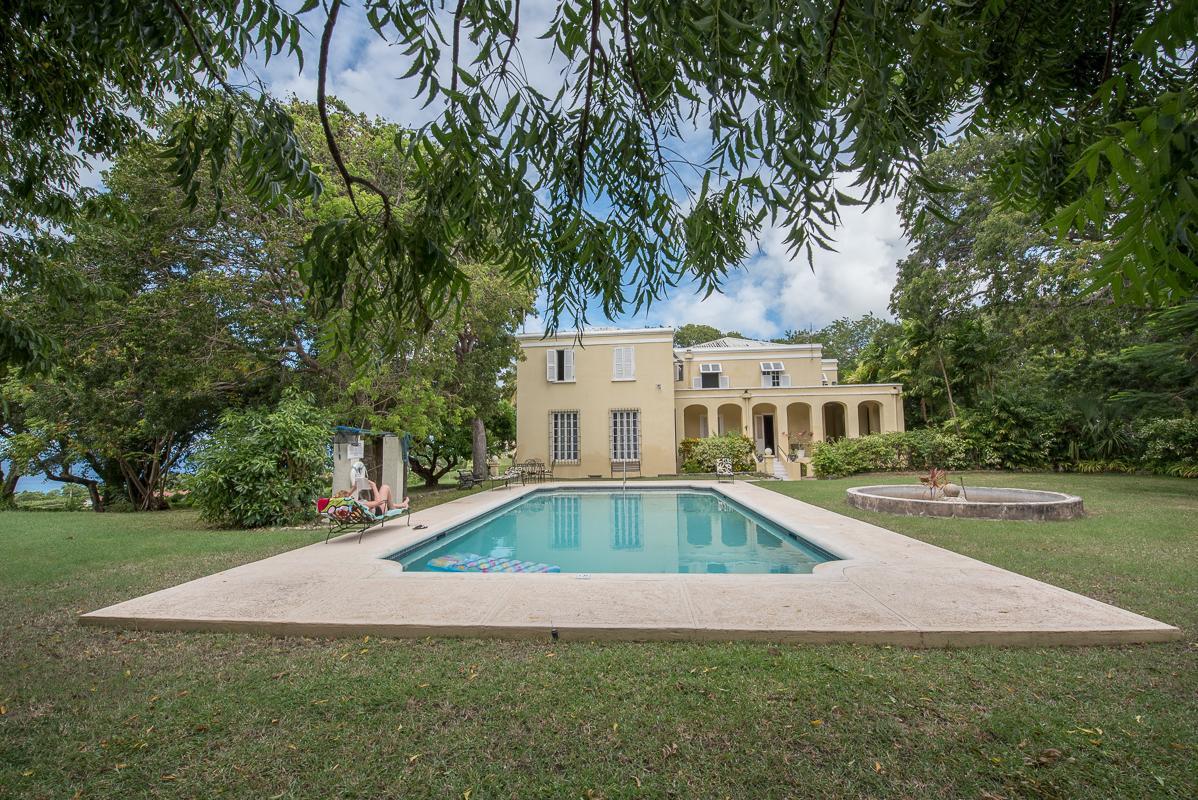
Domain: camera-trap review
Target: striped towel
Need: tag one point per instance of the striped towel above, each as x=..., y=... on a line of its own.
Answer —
x=472, y=562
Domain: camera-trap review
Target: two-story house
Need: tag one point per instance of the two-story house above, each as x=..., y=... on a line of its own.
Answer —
x=595, y=403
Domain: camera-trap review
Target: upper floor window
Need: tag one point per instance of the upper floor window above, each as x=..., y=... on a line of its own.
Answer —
x=711, y=377
x=559, y=366
x=677, y=370
x=773, y=374
x=623, y=364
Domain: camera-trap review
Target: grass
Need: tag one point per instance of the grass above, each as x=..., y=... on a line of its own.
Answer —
x=99, y=713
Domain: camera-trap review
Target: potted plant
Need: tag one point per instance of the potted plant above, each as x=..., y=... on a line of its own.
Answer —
x=935, y=480
x=799, y=443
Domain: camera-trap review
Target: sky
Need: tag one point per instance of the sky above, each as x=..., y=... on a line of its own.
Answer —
x=771, y=294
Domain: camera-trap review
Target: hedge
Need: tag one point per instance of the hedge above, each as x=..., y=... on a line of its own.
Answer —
x=699, y=455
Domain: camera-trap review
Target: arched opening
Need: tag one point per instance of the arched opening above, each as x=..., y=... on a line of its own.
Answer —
x=869, y=417
x=798, y=427
x=834, y=421
x=728, y=420
x=695, y=424
x=766, y=427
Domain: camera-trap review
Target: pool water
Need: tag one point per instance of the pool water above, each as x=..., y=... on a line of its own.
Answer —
x=656, y=531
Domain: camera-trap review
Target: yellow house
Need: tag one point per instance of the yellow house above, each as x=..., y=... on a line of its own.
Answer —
x=607, y=401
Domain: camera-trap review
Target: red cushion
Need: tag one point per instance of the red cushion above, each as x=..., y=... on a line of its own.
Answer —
x=321, y=503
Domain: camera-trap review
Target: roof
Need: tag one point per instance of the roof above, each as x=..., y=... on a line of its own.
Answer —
x=736, y=343
x=593, y=331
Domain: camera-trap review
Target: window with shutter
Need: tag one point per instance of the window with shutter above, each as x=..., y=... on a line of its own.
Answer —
x=568, y=366
x=623, y=364
x=559, y=366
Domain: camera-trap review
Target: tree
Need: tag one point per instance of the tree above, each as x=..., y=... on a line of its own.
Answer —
x=1000, y=334
x=692, y=334
x=264, y=466
x=842, y=339
x=585, y=187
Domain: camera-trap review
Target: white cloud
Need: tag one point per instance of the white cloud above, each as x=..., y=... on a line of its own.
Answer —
x=777, y=291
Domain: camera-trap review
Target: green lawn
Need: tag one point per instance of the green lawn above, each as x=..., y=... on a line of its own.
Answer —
x=88, y=712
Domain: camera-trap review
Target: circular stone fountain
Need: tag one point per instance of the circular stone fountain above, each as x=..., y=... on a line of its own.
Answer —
x=976, y=502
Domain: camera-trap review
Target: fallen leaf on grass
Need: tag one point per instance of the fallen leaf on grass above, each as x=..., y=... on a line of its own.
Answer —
x=413, y=758
x=817, y=722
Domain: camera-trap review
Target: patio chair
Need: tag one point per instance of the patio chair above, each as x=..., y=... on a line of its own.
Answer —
x=533, y=469
x=723, y=470
x=620, y=469
x=513, y=473
x=348, y=514
x=547, y=473
x=467, y=479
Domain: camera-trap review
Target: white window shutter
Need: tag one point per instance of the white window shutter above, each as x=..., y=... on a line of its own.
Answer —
x=617, y=363
x=702, y=426
x=569, y=366
x=765, y=380
x=629, y=362
x=786, y=380
x=551, y=366
x=724, y=382
x=696, y=383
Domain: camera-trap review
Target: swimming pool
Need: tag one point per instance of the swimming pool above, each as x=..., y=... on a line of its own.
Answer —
x=645, y=531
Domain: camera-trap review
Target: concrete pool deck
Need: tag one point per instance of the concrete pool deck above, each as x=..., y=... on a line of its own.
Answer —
x=888, y=589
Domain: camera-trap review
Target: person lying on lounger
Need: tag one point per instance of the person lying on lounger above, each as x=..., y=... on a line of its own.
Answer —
x=383, y=500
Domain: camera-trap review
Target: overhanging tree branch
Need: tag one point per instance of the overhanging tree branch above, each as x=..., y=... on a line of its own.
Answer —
x=349, y=179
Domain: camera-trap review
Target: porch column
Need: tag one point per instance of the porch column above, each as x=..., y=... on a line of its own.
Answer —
x=817, y=421
x=393, y=468
x=851, y=429
x=713, y=418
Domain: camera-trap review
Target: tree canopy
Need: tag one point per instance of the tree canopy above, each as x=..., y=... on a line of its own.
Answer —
x=1000, y=337
x=672, y=133
x=692, y=334
x=190, y=313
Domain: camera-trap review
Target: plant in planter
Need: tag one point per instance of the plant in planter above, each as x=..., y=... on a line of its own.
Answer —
x=935, y=480
x=800, y=443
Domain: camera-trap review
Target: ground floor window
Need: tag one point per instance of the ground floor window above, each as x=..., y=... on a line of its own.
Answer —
x=626, y=435
x=563, y=436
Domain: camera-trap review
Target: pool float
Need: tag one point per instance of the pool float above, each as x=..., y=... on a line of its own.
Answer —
x=472, y=562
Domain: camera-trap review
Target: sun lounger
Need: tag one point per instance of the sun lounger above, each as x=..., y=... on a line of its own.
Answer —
x=347, y=514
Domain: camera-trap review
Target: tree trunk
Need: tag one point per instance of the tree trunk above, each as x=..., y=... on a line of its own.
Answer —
x=93, y=487
x=429, y=472
x=8, y=488
x=952, y=407
x=479, y=448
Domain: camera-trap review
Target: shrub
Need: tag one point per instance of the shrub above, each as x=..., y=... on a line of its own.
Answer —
x=264, y=466
x=888, y=452
x=1169, y=444
x=699, y=455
